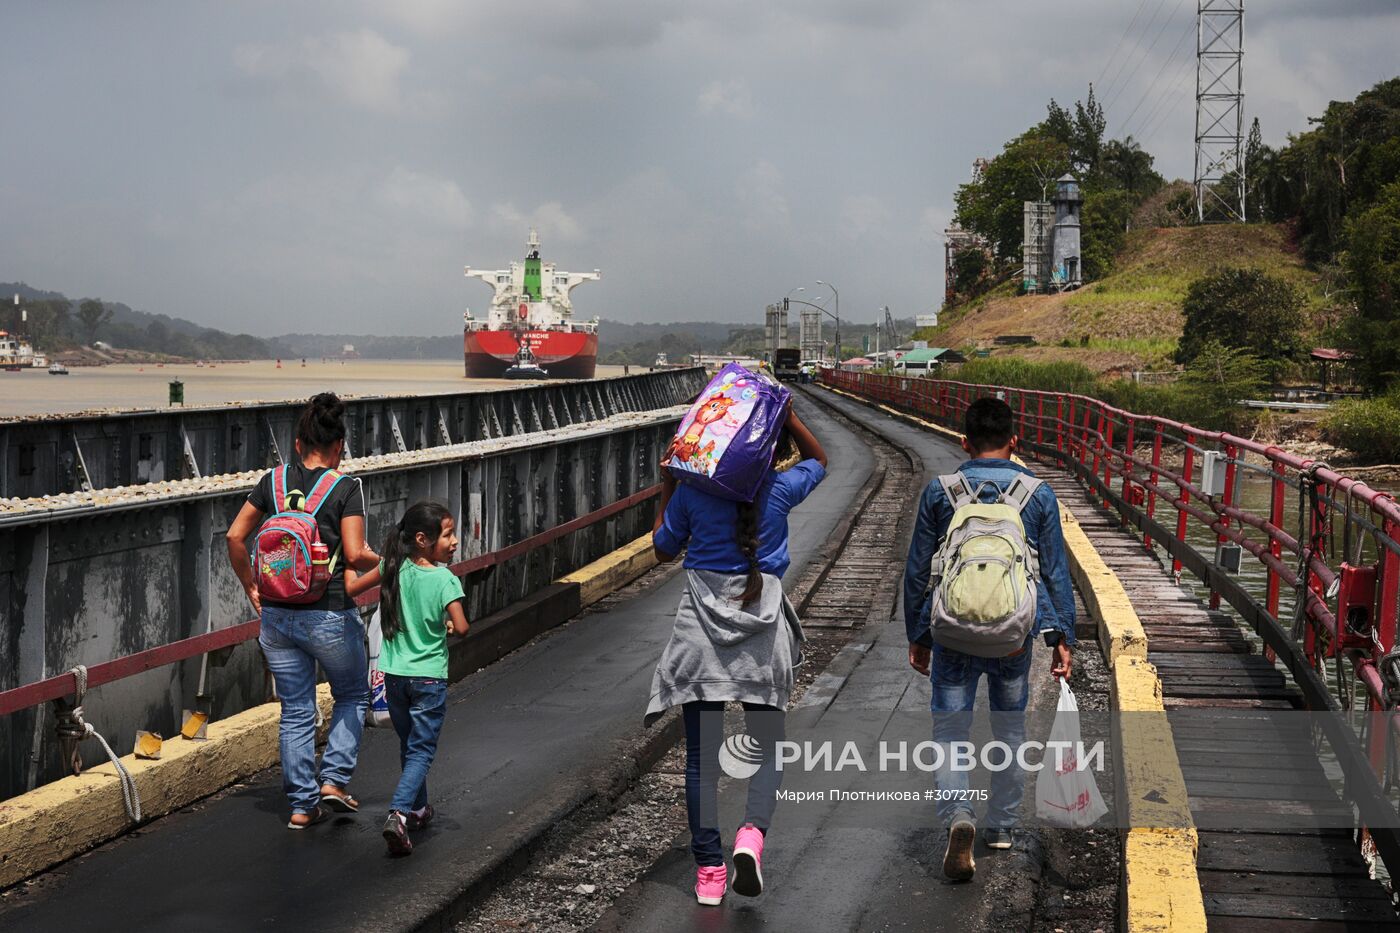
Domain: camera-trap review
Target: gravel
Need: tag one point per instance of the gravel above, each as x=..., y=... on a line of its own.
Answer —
x=588, y=861
x=1078, y=891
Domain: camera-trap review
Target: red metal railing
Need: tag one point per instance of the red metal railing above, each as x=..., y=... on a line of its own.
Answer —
x=62, y=685
x=1136, y=463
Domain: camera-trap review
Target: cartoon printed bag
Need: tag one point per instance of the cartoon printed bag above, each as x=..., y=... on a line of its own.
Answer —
x=725, y=442
x=290, y=563
x=377, y=713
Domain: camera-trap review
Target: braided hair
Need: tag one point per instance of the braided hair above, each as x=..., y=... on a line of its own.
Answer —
x=424, y=517
x=747, y=534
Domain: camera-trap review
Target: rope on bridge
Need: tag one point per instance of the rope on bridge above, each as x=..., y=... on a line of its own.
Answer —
x=72, y=729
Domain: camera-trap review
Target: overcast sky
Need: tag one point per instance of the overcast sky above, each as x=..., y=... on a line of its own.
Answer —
x=279, y=166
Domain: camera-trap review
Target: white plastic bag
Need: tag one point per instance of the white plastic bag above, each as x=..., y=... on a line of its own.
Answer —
x=377, y=713
x=1065, y=791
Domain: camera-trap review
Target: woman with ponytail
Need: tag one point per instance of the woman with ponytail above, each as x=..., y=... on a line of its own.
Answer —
x=325, y=629
x=420, y=602
x=737, y=639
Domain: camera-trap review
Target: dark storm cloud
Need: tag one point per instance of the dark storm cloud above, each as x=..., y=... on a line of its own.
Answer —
x=331, y=166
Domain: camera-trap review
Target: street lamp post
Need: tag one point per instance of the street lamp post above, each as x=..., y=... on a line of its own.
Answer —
x=787, y=301
x=838, y=319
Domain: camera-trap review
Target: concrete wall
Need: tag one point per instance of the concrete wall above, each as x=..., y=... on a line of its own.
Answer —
x=97, y=581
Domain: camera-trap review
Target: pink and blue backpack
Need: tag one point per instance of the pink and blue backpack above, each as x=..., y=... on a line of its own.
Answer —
x=290, y=562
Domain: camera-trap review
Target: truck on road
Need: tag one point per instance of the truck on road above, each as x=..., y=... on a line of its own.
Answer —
x=787, y=363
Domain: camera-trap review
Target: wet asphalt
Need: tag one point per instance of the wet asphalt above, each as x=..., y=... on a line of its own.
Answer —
x=542, y=726
x=852, y=864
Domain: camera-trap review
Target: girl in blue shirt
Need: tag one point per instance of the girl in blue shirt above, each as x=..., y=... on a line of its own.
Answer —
x=736, y=638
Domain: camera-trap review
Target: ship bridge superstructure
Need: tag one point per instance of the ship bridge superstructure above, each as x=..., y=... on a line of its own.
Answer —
x=532, y=294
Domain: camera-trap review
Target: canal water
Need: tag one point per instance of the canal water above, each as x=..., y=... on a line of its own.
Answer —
x=95, y=388
x=1253, y=493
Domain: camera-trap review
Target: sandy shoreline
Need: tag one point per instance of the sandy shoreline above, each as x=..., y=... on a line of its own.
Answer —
x=127, y=386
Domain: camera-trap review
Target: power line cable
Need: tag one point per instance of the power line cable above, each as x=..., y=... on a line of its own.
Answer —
x=1137, y=44
x=1126, y=32
x=1161, y=108
x=1176, y=51
x=1147, y=54
x=1154, y=120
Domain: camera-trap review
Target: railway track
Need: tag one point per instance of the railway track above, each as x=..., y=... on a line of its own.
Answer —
x=853, y=580
x=859, y=581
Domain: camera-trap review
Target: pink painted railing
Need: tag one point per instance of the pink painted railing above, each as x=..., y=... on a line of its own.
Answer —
x=1141, y=464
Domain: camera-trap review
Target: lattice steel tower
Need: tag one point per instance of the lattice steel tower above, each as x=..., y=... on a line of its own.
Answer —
x=1220, y=184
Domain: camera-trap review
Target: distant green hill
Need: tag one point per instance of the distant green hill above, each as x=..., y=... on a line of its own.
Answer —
x=55, y=325
x=1132, y=318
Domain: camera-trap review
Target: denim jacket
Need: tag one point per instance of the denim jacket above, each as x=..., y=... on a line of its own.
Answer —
x=1054, y=610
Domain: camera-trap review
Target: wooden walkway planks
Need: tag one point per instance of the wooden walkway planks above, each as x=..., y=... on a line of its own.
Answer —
x=1304, y=880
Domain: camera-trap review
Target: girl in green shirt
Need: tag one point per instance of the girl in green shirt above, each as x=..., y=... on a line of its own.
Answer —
x=420, y=602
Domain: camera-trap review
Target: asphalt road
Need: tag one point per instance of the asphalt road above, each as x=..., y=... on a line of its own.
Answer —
x=522, y=735
x=853, y=865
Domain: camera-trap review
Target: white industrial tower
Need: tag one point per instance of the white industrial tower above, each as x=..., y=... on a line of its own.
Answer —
x=1219, y=109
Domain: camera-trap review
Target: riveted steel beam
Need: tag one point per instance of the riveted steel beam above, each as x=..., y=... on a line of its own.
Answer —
x=118, y=448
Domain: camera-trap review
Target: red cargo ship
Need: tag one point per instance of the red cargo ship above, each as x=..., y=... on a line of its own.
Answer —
x=531, y=309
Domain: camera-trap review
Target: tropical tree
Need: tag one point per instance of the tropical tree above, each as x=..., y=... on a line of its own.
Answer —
x=1025, y=170
x=1126, y=165
x=1372, y=261
x=1245, y=309
x=93, y=314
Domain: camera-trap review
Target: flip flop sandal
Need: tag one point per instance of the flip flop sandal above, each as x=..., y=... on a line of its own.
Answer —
x=339, y=800
x=317, y=815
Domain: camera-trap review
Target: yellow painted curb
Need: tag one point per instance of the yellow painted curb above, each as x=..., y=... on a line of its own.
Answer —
x=1153, y=794
x=57, y=821
x=1120, y=630
x=902, y=415
x=1162, y=893
x=49, y=824
x=613, y=571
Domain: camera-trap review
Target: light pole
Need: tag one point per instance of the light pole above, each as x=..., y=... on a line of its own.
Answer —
x=838, y=319
x=799, y=301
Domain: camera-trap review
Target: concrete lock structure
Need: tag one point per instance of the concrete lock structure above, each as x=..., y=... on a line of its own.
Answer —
x=86, y=577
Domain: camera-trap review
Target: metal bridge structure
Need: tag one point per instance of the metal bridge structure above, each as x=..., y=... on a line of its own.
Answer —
x=1289, y=816
x=133, y=582
x=1217, y=621
x=52, y=455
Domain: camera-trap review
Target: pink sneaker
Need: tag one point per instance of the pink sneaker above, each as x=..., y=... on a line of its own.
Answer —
x=748, y=859
x=710, y=883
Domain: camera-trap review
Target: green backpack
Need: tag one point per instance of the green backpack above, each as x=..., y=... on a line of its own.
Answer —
x=983, y=578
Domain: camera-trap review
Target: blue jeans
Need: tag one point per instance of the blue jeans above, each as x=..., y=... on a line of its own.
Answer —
x=704, y=733
x=294, y=641
x=417, y=706
x=954, y=677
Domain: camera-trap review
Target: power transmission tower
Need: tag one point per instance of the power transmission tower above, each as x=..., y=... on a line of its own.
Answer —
x=1219, y=110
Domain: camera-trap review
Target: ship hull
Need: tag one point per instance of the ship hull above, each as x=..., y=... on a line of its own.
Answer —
x=564, y=355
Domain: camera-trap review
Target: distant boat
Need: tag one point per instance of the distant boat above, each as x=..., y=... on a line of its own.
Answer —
x=525, y=366
x=17, y=355
x=57, y=369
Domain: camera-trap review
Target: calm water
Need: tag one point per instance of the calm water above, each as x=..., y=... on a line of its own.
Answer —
x=132, y=386
x=1253, y=494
